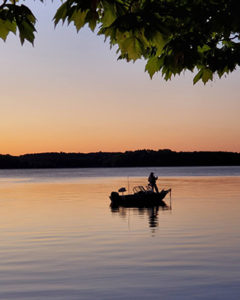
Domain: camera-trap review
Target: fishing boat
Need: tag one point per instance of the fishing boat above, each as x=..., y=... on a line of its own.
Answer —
x=141, y=197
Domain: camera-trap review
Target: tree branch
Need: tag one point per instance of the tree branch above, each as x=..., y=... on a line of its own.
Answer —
x=4, y=3
x=234, y=37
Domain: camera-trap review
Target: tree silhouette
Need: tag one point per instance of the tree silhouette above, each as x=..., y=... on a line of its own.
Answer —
x=170, y=35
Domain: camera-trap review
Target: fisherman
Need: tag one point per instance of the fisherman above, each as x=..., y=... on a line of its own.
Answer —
x=152, y=181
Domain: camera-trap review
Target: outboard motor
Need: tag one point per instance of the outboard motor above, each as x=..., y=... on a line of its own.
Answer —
x=114, y=196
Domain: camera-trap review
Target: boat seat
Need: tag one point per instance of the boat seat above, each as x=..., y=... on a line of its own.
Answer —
x=138, y=189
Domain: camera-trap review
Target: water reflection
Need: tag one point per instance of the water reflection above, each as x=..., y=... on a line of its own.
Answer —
x=151, y=212
x=60, y=240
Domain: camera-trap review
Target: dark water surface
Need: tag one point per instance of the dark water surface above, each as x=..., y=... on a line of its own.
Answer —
x=61, y=240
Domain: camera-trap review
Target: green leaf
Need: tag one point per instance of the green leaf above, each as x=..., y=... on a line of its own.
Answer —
x=26, y=12
x=5, y=27
x=109, y=15
x=158, y=41
x=61, y=13
x=132, y=47
x=26, y=32
x=223, y=71
x=168, y=74
x=92, y=18
x=153, y=65
x=141, y=36
x=203, y=49
x=198, y=76
x=79, y=18
x=207, y=75
x=121, y=36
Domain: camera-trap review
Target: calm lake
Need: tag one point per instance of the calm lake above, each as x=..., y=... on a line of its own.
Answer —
x=61, y=240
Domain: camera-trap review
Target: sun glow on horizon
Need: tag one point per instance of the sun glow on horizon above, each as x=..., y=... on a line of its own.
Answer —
x=69, y=93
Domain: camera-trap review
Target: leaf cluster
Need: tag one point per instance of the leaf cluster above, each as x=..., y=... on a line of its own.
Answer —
x=170, y=35
x=15, y=17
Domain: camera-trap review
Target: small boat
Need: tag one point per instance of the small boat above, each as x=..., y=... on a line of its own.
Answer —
x=141, y=197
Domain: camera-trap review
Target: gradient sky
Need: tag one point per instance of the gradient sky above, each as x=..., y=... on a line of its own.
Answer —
x=69, y=93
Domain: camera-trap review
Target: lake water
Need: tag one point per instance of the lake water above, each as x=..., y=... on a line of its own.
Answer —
x=61, y=240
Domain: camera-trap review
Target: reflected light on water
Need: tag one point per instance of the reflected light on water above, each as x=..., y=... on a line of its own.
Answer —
x=62, y=240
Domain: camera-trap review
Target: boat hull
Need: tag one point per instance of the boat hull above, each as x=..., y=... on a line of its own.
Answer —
x=140, y=199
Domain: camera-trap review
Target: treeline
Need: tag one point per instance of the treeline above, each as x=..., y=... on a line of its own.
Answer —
x=139, y=158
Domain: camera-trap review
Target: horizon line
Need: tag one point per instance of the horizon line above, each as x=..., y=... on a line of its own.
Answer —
x=95, y=152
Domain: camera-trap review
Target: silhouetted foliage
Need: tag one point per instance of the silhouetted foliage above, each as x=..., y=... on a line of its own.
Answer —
x=139, y=158
x=171, y=36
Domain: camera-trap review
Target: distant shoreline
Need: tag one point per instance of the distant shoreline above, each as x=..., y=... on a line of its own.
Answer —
x=138, y=158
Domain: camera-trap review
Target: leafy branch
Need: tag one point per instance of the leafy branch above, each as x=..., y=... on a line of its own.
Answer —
x=4, y=3
x=17, y=18
x=171, y=36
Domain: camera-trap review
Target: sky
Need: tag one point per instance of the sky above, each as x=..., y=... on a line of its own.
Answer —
x=69, y=93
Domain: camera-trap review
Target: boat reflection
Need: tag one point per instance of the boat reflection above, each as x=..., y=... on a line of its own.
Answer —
x=152, y=212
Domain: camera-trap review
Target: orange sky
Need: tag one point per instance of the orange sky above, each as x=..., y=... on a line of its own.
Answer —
x=69, y=93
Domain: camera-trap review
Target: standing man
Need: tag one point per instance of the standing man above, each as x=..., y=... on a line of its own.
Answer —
x=152, y=181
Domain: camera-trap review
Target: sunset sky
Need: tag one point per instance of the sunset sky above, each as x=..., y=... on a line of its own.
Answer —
x=69, y=93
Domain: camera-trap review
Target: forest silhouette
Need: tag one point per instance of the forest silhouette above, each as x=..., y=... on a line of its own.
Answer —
x=139, y=158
